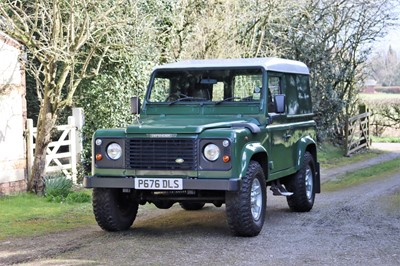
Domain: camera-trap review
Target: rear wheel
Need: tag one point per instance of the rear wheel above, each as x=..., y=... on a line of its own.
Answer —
x=245, y=209
x=113, y=209
x=302, y=186
x=191, y=206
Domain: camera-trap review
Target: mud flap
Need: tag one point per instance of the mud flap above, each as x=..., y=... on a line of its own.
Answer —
x=317, y=181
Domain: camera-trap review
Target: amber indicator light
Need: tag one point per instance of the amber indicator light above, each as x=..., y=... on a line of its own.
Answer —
x=99, y=157
x=226, y=158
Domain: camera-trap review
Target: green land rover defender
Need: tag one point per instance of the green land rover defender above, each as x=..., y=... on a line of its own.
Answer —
x=211, y=131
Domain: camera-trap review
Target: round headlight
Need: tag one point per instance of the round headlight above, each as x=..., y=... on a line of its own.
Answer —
x=114, y=151
x=211, y=152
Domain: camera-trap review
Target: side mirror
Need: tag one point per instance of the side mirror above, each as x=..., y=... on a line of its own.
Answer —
x=135, y=105
x=280, y=103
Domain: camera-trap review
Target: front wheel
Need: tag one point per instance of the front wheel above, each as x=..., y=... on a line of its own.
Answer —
x=245, y=209
x=113, y=209
x=302, y=186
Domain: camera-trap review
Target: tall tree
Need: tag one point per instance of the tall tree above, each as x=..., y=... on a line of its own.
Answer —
x=333, y=38
x=67, y=41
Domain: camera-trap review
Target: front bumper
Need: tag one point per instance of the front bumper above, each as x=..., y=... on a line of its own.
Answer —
x=188, y=184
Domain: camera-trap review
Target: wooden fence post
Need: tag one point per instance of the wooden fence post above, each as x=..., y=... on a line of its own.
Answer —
x=79, y=116
x=72, y=146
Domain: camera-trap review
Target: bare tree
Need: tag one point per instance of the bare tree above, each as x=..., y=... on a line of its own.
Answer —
x=67, y=41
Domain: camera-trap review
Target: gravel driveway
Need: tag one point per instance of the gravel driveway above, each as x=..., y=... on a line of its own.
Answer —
x=354, y=226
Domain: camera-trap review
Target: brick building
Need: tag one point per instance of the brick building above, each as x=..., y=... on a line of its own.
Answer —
x=13, y=112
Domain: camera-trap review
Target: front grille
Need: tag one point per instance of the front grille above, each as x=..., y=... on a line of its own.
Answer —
x=161, y=154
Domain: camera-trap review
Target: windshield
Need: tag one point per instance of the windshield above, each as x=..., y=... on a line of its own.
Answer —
x=214, y=86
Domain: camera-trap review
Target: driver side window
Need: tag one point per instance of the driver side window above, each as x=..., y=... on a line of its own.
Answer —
x=274, y=88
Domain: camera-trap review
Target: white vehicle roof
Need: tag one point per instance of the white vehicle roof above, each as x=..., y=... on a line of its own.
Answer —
x=268, y=63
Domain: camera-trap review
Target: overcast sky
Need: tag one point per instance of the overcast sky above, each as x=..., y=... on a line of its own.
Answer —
x=393, y=37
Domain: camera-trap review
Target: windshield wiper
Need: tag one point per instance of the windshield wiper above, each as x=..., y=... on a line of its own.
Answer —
x=228, y=99
x=187, y=99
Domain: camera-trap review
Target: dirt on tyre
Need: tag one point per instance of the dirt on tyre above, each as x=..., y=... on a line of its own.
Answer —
x=245, y=209
x=191, y=206
x=113, y=209
x=302, y=184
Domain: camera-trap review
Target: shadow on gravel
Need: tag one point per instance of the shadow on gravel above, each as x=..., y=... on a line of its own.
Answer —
x=208, y=221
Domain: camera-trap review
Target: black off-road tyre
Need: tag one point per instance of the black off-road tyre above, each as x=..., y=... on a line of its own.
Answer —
x=191, y=206
x=302, y=184
x=113, y=209
x=244, y=217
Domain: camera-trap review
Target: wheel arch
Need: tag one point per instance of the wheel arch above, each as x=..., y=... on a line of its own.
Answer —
x=307, y=144
x=255, y=152
x=262, y=159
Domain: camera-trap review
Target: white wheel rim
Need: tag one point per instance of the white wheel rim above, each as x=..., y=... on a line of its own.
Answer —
x=309, y=183
x=256, y=199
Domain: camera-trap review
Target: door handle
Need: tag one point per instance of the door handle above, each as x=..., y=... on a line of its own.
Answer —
x=287, y=136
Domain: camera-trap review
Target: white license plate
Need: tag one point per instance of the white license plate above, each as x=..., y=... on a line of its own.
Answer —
x=159, y=183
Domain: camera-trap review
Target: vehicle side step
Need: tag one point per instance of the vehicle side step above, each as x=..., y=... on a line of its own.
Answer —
x=280, y=190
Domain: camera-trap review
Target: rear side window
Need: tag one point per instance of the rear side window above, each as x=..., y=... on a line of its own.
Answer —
x=303, y=94
x=297, y=91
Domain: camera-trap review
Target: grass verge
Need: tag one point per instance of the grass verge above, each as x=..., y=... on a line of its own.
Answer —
x=386, y=139
x=394, y=202
x=28, y=215
x=332, y=156
x=363, y=175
